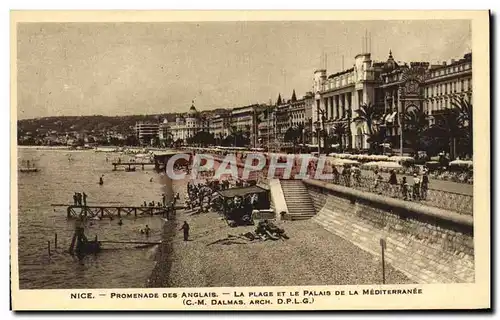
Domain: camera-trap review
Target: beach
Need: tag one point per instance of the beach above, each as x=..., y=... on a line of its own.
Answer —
x=312, y=256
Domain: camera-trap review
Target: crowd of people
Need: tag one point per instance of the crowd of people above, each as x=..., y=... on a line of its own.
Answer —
x=80, y=199
x=351, y=176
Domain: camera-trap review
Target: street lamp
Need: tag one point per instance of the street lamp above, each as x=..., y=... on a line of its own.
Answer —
x=317, y=124
x=400, y=117
x=320, y=125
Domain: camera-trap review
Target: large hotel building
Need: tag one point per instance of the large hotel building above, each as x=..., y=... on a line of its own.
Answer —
x=394, y=88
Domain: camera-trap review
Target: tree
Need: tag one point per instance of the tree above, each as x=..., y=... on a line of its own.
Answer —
x=202, y=138
x=236, y=138
x=367, y=113
x=293, y=135
x=464, y=118
x=339, y=130
x=449, y=127
x=415, y=124
x=131, y=140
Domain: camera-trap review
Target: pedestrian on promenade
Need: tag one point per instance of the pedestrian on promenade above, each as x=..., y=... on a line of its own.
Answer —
x=335, y=173
x=84, y=199
x=185, y=228
x=393, y=181
x=404, y=188
x=75, y=199
x=416, y=187
x=425, y=185
x=377, y=180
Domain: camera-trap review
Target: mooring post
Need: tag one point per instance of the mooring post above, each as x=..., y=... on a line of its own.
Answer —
x=55, y=240
x=48, y=247
x=382, y=245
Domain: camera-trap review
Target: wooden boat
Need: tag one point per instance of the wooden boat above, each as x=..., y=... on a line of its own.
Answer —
x=28, y=166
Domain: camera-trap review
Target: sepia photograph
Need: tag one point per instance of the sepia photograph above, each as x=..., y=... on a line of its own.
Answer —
x=205, y=155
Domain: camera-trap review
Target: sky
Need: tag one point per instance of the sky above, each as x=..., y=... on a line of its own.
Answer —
x=113, y=69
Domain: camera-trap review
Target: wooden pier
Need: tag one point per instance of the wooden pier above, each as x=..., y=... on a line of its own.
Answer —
x=129, y=165
x=103, y=211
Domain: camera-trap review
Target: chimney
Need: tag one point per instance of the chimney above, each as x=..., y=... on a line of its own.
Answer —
x=452, y=61
x=444, y=63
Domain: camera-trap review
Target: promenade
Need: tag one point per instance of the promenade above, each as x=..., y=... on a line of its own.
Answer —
x=441, y=185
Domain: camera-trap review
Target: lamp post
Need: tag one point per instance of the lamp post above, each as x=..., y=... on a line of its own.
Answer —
x=318, y=127
x=400, y=117
x=382, y=129
x=303, y=140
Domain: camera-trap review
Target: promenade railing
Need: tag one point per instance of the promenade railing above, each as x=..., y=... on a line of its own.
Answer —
x=460, y=203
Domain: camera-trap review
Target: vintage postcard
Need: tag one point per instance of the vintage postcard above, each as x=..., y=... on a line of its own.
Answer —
x=250, y=160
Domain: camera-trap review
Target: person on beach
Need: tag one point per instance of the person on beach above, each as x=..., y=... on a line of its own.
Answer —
x=75, y=199
x=101, y=181
x=84, y=199
x=147, y=230
x=120, y=222
x=185, y=228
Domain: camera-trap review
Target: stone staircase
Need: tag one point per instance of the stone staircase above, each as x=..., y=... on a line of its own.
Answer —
x=298, y=201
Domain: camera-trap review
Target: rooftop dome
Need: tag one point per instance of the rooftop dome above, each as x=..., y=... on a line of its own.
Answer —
x=390, y=64
x=193, y=110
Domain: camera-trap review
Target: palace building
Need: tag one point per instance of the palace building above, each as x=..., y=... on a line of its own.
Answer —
x=395, y=89
x=188, y=124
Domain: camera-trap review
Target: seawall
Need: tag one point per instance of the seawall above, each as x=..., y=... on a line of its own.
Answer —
x=429, y=245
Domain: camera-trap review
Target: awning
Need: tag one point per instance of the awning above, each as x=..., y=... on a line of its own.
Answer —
x=230, y=193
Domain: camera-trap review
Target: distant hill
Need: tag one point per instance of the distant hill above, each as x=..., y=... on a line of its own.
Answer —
x=96, y=123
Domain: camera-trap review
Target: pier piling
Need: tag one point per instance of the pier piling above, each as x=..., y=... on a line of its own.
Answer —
x=55, y=240
x=48, y=247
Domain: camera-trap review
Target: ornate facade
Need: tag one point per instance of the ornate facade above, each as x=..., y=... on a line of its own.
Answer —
x=338, y=96
x=392, y=88
x=188, y=124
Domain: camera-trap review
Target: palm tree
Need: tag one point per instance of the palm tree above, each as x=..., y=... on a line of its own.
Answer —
x=464, y=118
x=449, y=126
x=369, y=114
x=339, y=130
x=293, y=134
x=416, y=123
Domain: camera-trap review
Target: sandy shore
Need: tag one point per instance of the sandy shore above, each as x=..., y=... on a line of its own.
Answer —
x=312, y=256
